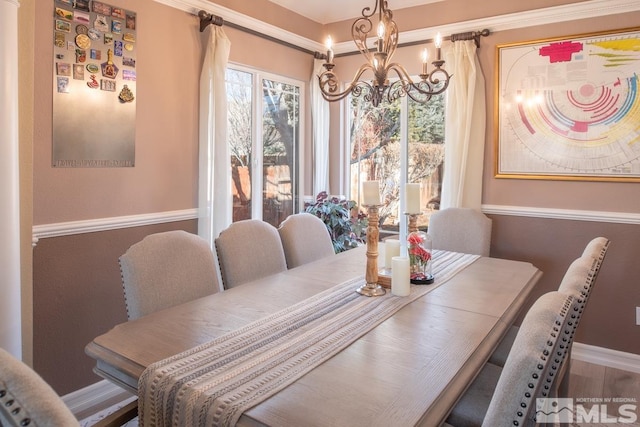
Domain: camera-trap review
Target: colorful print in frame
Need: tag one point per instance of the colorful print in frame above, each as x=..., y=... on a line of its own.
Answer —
x=569, y=108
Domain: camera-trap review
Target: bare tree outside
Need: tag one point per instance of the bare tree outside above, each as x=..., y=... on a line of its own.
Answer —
x=280, y=138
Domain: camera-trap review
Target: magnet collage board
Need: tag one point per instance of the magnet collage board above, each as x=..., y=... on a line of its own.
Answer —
x=94, y=84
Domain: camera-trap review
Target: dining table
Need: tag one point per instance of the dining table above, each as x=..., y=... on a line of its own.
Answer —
x=410, y=369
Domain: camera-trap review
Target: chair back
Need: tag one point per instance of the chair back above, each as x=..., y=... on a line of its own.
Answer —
x=166, y=269
x=581, y=275
x=305, y=238
x=461, y=230
x=533, y=364
x=248, y=250
x=597, y=249
x=27, y=400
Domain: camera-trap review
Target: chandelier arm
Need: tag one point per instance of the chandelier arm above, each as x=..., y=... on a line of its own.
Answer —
x=328, y=81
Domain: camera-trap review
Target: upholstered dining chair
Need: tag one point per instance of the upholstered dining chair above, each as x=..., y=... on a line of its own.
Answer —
x=597, y=248
x=507, y=396
x=461, y=230
x=578, y=281
x=166, y=269
x=304, y=239
x=27, y=400
x=248, y=250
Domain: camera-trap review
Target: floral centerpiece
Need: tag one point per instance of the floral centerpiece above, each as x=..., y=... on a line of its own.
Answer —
x=419, y=249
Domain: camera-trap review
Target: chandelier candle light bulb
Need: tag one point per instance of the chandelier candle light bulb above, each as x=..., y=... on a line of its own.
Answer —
x=329, y=45
x=438, y=43
x=425, y=58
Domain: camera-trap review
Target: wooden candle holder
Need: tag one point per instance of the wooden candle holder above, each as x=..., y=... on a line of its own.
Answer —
x=371, y=288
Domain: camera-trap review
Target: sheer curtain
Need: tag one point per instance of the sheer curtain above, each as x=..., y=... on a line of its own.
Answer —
x=320, y=121
x=464, y=129
x=215, y=202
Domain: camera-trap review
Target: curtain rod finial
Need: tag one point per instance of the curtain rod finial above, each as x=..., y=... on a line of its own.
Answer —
x=209, y=18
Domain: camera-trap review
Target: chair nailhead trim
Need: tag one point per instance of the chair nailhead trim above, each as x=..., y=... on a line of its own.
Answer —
x=25, y=422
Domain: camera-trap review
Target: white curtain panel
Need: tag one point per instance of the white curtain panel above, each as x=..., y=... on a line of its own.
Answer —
x=464, y=128
x=320, y=121
x=215, y=201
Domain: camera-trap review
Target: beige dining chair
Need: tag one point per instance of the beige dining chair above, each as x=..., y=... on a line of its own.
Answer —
x=248, y=250
x=305, y=238
x=501, y=397
x=461, y=230
x=27, y=400
x=578, y=281
x=166, y=269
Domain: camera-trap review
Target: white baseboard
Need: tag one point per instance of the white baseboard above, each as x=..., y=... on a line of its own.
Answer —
x=603, y=356
x=94, y=396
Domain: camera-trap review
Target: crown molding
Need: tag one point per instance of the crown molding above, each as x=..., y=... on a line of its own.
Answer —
x=194, y=6
x=549, y=15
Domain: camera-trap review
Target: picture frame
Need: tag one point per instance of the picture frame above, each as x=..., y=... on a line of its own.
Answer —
x=568, y=108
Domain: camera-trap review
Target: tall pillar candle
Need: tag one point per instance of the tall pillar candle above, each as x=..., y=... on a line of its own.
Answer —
x=371, y=193
x=400, y=285
x=412, y=198
x=391, y=249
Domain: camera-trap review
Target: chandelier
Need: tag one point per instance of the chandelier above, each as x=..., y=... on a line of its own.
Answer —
x=379, y=63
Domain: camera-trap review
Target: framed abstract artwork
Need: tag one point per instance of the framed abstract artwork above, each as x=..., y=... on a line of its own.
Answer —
x=569, y=108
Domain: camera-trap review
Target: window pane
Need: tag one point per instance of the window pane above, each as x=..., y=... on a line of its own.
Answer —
x=426, y=151
x=375, y=154
x=239, y=131
x=280, y=124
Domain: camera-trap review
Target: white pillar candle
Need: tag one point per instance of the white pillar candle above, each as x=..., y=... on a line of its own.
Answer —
x=412, y=195
x=391, y=249
x=400, y=285
x=371, y=193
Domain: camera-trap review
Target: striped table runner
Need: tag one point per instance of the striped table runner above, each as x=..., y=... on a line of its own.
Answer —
x=214, y=383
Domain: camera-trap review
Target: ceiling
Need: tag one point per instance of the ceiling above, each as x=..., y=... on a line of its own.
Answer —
x=327, y=11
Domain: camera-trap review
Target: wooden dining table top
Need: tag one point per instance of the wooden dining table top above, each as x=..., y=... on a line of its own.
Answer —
x=409, y=370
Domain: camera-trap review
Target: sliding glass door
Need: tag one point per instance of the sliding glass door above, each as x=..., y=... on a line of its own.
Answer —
x=264, y=139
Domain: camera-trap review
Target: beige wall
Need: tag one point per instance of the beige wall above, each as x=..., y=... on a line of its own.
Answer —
x=76, y=283
x=551, y=244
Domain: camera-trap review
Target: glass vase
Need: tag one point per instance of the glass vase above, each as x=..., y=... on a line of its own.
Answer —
x=419, y=248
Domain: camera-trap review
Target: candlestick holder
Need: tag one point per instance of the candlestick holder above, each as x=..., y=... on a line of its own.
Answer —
x=413, y=221
x=371, y=288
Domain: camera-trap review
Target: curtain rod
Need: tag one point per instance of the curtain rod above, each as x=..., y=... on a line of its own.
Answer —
x=207, y=19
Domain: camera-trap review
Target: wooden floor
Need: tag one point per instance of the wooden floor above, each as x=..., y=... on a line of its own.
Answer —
x=588, y=381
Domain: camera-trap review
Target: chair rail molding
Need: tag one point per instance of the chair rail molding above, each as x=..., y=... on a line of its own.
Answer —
x=568, y=214
x=607, y=357
x=543, y=16
x=105, y=224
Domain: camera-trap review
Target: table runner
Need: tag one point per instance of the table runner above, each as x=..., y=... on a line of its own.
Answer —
x=214, y=383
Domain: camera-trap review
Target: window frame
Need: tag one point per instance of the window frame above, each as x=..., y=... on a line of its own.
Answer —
x=257, y=146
